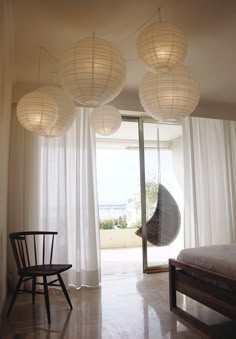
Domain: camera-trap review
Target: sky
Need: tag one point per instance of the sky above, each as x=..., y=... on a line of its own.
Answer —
x=118, y=173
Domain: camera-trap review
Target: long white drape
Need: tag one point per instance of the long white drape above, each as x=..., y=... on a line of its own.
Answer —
x=55, y=183
x=210, y=181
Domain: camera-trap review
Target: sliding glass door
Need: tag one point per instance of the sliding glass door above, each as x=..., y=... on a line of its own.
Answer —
x=140, y=190
x=161, y=181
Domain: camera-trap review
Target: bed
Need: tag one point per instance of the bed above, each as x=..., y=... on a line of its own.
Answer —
x=208, y=275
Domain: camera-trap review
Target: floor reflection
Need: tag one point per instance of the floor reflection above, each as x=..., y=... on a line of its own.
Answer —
x=156, y=311
x=173, y=327
x=129, y=306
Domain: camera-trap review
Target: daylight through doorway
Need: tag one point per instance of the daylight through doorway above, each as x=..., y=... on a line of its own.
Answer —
x=119, y=193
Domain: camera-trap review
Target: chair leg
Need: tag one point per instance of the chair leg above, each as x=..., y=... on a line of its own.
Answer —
x=64, y=290
x=33, y=289
x=13, y=299
x=46, y=296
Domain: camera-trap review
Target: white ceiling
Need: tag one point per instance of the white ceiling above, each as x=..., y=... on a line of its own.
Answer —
x=210, y=27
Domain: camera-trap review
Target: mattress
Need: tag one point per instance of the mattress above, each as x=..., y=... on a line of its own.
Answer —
x=219, y=259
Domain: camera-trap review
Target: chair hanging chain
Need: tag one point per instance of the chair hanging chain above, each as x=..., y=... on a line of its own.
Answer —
x=158, y=156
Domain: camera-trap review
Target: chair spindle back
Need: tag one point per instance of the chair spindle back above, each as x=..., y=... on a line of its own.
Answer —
x=26, y=245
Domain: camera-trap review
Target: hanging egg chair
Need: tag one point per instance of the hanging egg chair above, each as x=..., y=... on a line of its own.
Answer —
x=164, y=225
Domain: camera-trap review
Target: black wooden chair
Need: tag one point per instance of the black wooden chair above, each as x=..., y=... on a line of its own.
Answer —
x=33, y=253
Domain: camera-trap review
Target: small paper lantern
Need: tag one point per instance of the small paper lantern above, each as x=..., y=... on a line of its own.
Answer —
x=169, y=96
x=93, y=71
x=161, y=46
x=37, y=111
x=66, y=111
x=105, y=119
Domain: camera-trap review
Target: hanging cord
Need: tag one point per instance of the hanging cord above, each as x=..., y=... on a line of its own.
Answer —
x=158, y=156
x=159, y=14
x=49, y=56
x=39, y=67
x=93, y=58
x=158, y=11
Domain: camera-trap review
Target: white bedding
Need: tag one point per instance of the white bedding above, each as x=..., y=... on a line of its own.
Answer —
x=218, y=258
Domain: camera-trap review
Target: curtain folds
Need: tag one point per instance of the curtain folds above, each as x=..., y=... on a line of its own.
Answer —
x=210, y=183
x=56, y=190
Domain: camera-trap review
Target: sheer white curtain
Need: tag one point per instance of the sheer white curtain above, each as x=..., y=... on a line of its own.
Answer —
x=68, y=199
x=210, y=181
x=56, y=190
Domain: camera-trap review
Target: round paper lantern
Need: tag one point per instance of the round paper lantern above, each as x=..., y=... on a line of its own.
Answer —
x=169, y=96
x=37, y=111
x=105, y=119
x=93, y=71
x=66, y=111
x=161, y=46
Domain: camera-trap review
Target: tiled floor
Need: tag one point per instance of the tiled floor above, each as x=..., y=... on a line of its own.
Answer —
x=126, y=306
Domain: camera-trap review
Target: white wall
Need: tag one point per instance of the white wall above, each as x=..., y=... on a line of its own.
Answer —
x=119, y=238
x=5, y=116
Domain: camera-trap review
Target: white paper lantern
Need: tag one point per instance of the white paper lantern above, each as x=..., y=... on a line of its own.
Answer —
x=93, y=71
x=169, y=96
x=161, y=46
x=66, y=111
x=105, y=119
x=37, y=111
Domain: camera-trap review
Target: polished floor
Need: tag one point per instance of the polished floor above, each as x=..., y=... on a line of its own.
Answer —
x=126, y=306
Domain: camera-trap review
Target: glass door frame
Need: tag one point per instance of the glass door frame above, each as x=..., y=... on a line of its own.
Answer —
x=146, y=267
x=141, y=121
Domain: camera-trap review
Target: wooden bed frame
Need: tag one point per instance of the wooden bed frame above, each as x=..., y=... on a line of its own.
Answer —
x=186, y=279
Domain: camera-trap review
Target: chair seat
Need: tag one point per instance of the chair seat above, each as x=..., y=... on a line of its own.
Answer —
x=41, y=270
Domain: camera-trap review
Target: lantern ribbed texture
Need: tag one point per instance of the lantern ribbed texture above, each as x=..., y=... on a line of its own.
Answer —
x=36, y=111
x=93, y=71
x=169, y=96
x=66, y=111
x=161, y=46
x=105, y=119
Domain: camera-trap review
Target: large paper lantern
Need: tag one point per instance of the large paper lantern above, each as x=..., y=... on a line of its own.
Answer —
x=161, y=46
x=93, y=71
x=66, y=111
x=169, y=96
x=37, y=111
x=106, y=119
